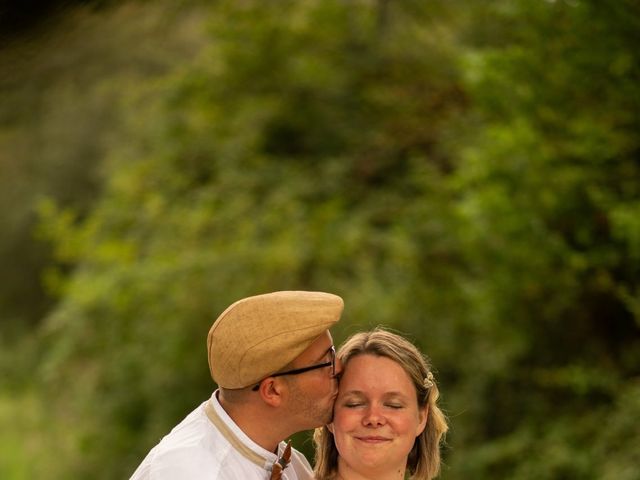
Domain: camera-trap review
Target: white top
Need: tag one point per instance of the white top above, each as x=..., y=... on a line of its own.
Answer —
x=208, y=445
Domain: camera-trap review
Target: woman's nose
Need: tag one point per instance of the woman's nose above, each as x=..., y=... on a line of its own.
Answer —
x=373, y=417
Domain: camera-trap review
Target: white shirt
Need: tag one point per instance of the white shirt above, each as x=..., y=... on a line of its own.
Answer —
x=208, y=445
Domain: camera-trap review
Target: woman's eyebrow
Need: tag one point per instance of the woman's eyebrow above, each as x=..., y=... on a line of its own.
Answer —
x=357, y=393
x=385, y=396
x=394, y=394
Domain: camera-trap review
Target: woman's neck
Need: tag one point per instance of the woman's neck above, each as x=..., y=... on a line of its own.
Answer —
x=345, y=472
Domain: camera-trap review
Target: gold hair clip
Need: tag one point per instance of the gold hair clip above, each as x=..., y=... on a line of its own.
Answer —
x=428, y=381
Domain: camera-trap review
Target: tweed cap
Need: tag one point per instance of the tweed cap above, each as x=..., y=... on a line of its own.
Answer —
x=257, y=336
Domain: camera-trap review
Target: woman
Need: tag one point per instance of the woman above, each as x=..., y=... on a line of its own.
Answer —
x=386, y=420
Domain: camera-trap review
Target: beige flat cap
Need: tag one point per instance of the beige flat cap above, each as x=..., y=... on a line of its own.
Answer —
x=258, y=336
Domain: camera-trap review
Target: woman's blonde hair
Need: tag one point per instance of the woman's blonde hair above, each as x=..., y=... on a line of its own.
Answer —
x=423, y=462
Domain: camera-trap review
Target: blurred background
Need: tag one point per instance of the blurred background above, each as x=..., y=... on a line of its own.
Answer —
x=467, y=173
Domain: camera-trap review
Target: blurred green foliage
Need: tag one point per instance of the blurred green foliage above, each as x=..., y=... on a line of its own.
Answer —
x=468, y=174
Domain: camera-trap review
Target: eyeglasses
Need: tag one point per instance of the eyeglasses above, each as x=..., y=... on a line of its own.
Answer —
x=297, y=371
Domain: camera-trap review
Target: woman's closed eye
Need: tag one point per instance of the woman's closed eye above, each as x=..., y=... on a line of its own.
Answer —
x=357, y=403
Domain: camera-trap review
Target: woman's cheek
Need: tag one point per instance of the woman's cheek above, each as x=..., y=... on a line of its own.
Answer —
x=344, y=418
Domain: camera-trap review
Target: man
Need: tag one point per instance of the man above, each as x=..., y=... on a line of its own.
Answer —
x=273, y=359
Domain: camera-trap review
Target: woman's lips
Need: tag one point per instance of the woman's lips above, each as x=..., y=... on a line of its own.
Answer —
x=373, y=439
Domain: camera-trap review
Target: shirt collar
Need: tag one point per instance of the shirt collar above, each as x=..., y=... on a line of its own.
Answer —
x=237, y=438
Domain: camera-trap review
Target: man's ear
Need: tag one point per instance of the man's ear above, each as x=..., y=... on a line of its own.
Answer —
x=271, y=391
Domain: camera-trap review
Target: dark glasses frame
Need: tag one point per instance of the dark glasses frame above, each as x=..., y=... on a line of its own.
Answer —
x=297, y=371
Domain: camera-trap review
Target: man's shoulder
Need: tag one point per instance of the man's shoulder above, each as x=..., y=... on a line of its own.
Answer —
x=183, y=452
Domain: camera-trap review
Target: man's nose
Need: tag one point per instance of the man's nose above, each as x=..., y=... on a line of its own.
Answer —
x=338, y=368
